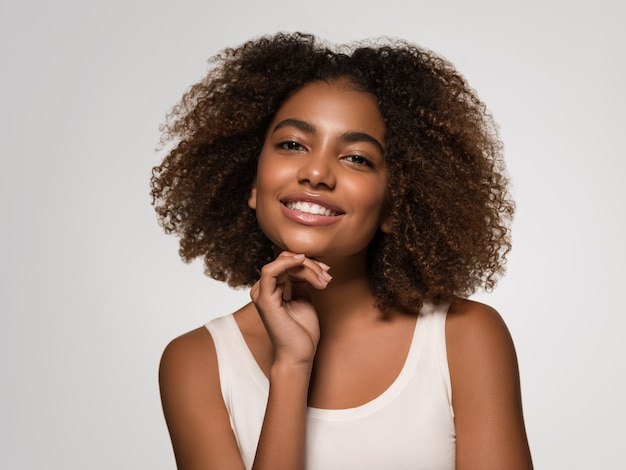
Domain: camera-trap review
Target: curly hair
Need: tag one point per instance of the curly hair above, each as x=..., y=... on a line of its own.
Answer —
x=449, y=203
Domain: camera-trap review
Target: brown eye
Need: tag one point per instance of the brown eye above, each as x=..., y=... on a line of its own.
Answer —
x=290, y=145
x=358, y=160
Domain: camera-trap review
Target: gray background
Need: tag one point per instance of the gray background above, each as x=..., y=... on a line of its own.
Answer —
x=91, y=290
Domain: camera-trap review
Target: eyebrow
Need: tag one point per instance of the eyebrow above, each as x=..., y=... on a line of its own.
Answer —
x=298, y=124
x=349, y=137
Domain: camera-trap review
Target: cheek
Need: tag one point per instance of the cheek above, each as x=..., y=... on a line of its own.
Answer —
x=375, y=203
x=370, y=195
x=273, y=177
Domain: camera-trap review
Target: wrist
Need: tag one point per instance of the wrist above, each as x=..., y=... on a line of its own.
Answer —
x=289, y=369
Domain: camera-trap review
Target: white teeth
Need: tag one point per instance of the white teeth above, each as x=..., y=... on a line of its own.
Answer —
x=310, y=208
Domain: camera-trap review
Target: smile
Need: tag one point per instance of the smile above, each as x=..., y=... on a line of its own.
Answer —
x=310, y=208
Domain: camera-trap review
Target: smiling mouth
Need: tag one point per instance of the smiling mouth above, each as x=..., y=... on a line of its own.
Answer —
x=310, y=208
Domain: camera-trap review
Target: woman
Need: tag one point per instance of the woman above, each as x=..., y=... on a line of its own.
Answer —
x=362, y=195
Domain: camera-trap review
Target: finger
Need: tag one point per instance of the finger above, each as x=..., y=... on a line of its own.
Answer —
x=274, y=275
x=274, y=286
x=312, y=272
x=295, y=267
x=276, y=271
x=254, y=291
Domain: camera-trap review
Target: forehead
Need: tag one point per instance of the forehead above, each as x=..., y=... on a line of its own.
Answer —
x=335, y=104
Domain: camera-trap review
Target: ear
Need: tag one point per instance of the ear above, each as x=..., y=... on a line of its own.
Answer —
x=385, y=222
x=385, y=226
x=252, y=198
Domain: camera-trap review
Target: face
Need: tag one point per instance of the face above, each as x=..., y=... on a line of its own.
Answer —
x=321, y=184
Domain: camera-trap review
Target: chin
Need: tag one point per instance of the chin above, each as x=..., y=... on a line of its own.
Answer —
x=308, y=251
x=307, y=248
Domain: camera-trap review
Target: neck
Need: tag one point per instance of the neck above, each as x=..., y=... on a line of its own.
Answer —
x=348, y=297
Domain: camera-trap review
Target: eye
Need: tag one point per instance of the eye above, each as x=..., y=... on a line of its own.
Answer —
x=290, y=145
x=359, y=160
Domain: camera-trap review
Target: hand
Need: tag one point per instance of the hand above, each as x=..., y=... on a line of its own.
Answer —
x=281, y=300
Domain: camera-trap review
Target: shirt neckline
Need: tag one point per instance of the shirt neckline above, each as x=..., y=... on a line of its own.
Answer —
x=376, y=403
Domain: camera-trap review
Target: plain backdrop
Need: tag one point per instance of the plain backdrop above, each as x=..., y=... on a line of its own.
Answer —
x=91, y=290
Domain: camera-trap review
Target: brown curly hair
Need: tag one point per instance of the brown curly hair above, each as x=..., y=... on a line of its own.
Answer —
x=449, y=204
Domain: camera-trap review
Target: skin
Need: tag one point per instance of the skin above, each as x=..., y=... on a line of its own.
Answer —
x=306, y=328
x=329, y=152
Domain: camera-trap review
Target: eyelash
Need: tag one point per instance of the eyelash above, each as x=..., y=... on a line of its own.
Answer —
x=363, y=160
x=290, y=145
x=294, y=146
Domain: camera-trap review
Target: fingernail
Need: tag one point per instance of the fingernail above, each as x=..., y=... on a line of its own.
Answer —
x=299, y=256
x=325, y=276
x=324, y=266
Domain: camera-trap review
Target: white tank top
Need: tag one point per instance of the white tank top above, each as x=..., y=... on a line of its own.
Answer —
x=409, y=426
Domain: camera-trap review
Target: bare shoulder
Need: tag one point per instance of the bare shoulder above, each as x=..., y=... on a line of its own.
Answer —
x=479, y=346
x=475, y=325
x=190, y=351
x=486, y=395
x=193, y=406
x=188, y=377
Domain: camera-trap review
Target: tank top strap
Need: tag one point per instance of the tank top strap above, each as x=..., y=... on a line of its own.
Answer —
x=233, y=354
x=430, y=334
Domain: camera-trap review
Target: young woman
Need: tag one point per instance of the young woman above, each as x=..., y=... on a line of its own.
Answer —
x=360, y=192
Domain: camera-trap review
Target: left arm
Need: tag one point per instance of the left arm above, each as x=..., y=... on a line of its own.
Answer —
x=486, y=395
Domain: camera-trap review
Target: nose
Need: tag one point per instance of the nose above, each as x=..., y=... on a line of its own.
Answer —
x=318, y=170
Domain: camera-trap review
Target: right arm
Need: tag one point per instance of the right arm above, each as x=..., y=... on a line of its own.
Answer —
x=194, y=410
x=292, y=325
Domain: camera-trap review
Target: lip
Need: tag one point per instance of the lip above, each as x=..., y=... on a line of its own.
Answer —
x=310, y=219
